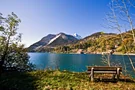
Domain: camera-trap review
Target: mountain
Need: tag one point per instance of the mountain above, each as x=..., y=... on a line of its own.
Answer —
x=61, y=39
x=77, y=36
x=44, y=41
x=99, y=34
x=51, y=41
x=96, y=42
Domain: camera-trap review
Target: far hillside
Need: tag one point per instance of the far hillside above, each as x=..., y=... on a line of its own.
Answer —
x=101, y=42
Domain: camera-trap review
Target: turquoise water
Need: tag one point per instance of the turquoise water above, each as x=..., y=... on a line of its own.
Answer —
x=77, y=62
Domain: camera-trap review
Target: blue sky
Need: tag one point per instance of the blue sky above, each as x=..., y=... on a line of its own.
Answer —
x=42, y=17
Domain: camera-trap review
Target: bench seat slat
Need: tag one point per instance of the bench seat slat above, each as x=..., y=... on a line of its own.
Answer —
x=105, y=72
x=104, y=68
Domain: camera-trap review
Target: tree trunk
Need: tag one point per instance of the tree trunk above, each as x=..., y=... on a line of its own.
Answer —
x=4, y=55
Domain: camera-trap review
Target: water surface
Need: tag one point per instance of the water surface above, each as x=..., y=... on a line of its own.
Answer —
x=77, y=62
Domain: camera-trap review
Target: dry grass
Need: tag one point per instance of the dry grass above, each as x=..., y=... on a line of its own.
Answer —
x=62, y=80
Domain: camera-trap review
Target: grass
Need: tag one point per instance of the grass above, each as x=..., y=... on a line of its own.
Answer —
x=60, y=80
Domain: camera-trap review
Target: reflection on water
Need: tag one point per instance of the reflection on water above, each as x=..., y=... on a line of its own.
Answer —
x=76, y=62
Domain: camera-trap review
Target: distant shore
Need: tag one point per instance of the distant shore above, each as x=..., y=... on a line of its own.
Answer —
x=124, y=54
x=115, y=53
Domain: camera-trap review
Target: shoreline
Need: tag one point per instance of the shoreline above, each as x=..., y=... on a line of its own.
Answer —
x=124, y=54
x=116, y=53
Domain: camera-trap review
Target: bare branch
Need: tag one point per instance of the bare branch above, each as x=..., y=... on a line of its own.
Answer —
x=131, y=3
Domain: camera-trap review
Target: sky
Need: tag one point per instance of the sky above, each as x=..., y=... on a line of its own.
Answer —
x=42, y=17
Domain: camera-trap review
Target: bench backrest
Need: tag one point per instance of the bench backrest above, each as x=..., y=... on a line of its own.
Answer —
x=103, y=68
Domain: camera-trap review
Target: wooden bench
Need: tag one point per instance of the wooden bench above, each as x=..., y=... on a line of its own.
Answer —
x=104, y=70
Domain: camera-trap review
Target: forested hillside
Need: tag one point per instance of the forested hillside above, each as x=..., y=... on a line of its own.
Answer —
x=100, y=42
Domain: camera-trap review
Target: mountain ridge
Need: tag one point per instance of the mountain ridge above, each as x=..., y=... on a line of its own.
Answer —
x=52, y=40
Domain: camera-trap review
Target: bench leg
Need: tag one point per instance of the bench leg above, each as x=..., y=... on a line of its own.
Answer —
x=113, y=77
x=92, y=74
x=118, y=73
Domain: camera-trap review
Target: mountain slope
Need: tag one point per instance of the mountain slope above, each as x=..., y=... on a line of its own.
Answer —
x=99, y=34
x=62, y=39
x=44, y=41
x=51, y=41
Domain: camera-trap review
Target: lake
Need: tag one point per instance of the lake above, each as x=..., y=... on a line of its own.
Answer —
x=77, y=62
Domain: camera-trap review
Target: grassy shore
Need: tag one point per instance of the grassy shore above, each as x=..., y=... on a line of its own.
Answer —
x=61, y=80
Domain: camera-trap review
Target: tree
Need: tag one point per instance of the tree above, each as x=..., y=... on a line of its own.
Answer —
x=12, y=52
x=120, y=18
